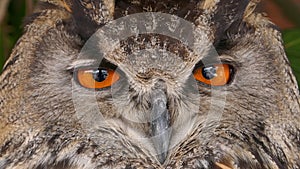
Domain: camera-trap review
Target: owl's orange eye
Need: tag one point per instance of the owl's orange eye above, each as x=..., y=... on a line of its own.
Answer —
x=97, y=78
x=214, y=75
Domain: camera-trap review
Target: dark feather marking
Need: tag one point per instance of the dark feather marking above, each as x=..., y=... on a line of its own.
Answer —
x=227, y=13
x=29, y=20
x=11, y=62
x=260, y=133
x=185, y=9
x=81, y=148
x=5, y=147
x=47, y=6
x=84, y=25
x=280, y=159
x=122, y=6
x=41, y=6
x=51, y=141
x=64, y=164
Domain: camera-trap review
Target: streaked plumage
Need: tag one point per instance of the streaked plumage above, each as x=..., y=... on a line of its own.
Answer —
x=260, y=123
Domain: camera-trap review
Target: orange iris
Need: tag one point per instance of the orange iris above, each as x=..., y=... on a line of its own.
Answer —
x=97, y=78
x=215, y=75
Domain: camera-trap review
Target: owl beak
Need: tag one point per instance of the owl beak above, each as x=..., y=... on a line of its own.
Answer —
x=160, y=125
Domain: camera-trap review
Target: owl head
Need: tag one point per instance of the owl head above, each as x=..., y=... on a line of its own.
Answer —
x=153, y=84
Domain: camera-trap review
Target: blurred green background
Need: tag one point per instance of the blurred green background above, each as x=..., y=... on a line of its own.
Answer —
x=285, y=13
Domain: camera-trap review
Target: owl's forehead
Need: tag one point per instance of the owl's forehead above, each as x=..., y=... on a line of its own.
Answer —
x=153, y=53
x=146, y=43
x=213, y=23
x=145, y=54
x=89, y=15
x=124, y=7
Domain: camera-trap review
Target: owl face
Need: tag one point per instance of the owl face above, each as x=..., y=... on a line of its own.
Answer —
x=178, y=84
x=174, y=80
x=148, y=79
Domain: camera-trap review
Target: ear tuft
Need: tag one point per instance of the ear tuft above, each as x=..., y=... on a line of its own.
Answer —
x=224, y=13
x=251, y=8
x=89, y=15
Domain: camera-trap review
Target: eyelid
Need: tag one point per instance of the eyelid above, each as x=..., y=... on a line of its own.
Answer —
x=78, y=64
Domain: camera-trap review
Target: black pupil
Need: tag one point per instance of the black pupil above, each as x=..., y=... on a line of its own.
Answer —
x=100, y=75
x=209, y=72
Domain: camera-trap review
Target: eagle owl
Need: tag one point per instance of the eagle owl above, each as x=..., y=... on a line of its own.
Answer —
x=149, y=84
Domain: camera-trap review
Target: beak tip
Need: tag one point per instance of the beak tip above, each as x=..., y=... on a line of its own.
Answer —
x=162, y=157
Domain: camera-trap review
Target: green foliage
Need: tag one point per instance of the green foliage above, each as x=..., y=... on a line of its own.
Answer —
x=11, y=28
x=292, y=45
x=2, y=59
x=290, y=9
